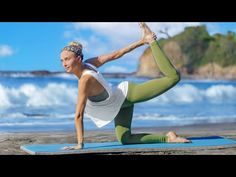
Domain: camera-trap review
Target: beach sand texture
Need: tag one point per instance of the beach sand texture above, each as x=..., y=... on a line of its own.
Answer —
x=10, y=142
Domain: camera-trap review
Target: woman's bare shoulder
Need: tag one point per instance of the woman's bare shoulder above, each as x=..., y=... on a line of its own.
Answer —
x=86, y=83
x=86, y=78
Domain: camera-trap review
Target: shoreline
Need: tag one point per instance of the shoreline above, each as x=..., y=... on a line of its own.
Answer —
x=10, y=142
x=182, y=128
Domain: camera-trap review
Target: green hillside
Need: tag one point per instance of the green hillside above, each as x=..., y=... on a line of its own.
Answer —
x=200, y=48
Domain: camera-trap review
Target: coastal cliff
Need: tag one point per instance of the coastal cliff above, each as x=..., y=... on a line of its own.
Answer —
x=196, y=54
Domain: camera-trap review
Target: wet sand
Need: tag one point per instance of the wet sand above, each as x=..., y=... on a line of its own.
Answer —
x=10, y=142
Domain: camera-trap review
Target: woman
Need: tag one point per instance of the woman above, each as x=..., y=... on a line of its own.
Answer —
x=103, y=103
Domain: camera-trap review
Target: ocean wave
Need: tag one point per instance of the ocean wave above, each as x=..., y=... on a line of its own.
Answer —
x=31, y=75
x=36, y=123
x=170, y=118
x=36, y=115
x=206, y=81
x=188, y=94
x=65, y=76
x=13, y=115
x=61, y=94
x=4, y=99
x=185, y=119
x=18, y=75
x=155, y=117
x=138, y=120
x=30, y=95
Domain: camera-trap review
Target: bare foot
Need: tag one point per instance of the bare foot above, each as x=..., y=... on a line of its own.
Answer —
x=145, y=27
x=147, y=35
x=174, y=138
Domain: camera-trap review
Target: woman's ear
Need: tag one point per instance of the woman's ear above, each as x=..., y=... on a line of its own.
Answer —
x=79, y=59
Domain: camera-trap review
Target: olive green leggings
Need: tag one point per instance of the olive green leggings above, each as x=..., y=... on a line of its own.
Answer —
x=142, y=92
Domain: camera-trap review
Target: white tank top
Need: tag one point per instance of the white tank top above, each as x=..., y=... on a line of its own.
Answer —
x=103, y=112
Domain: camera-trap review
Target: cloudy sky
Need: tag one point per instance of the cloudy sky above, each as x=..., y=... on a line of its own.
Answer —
x=36, y=46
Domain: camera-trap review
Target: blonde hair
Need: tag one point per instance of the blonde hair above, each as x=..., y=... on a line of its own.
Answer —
x=76, y=44
x=75, y=47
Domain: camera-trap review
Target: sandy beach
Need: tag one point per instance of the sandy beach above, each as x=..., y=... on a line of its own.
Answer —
x=10, y=142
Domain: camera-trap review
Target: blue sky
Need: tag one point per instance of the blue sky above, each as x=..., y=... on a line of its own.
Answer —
x=36, y=45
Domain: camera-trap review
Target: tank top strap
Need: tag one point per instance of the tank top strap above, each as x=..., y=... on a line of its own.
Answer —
x=92, y=66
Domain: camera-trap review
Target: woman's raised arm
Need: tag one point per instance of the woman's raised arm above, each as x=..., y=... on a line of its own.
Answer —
x=99, y=61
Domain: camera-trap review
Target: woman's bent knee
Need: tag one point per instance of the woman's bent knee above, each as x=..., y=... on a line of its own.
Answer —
x=176, y=78
x=124, y=138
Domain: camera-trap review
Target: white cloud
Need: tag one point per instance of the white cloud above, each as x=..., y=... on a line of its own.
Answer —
x=115, y=35
x=113, y=32
x=104, y=37
x=131, y=31
x=94, y=45
x=115, y=69
x=83, y=42
x=173, y=28
x=5, y=50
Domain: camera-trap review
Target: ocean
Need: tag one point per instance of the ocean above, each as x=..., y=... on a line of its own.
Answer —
x=47, y=103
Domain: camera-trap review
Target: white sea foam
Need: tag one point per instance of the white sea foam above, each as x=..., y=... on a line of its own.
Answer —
x=185, y=119
x=55, y=94
x=188, y=94
x=65, y=76
x=35, y=116
x=19, y=75
x=13, y=115
x=36, y=123
x=30, y=75
x=4, y=99
x=30, y=95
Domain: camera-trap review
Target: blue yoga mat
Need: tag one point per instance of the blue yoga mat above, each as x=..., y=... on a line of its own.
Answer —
x=53, y=149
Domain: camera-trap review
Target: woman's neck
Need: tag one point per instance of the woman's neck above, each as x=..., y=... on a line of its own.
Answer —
x=78, y=72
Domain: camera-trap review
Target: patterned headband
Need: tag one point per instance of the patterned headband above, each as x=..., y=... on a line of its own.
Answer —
x=75, y=49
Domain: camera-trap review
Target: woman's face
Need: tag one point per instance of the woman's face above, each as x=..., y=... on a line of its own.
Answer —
x=69, y=61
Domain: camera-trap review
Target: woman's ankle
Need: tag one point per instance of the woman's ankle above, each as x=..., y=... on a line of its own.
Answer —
x=152, y=42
